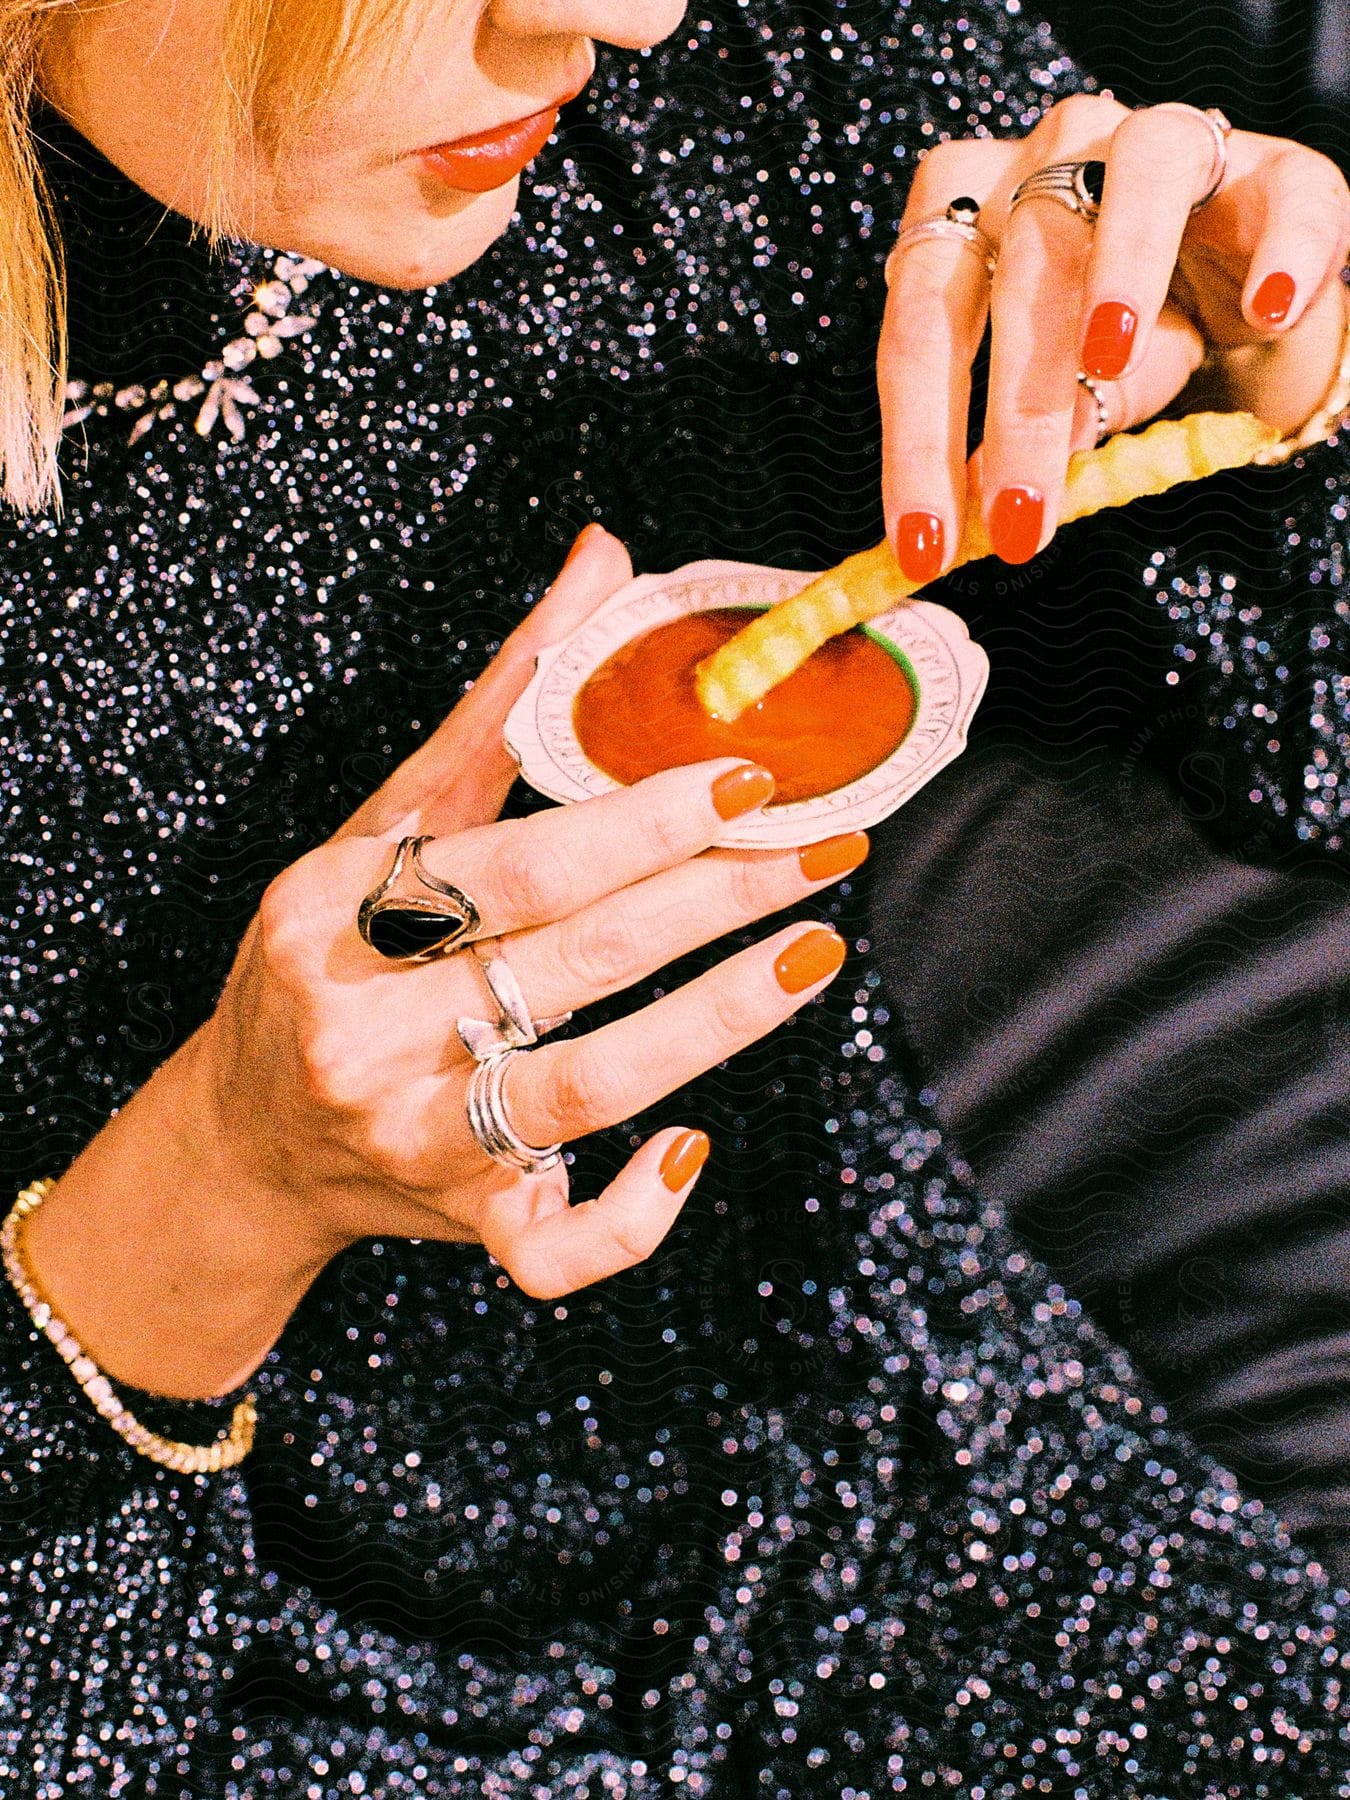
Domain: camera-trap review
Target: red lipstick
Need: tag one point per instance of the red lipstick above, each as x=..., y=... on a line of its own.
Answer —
x=489, y=159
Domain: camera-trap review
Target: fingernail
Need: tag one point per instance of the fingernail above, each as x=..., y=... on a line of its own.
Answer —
x=809, y=959
x=741, y=790
x=683, y=1160
x=836, y=856
x=918, y=546
x=1274, y=297
x=1109, y=340
x=1015, y=521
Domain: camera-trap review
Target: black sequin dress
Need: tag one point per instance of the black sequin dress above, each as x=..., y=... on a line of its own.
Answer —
x=858, y=1487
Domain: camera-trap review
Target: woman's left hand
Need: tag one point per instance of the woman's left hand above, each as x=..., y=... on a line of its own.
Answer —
x=1248, y=285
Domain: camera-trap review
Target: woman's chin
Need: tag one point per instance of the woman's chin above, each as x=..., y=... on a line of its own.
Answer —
x=426, y=236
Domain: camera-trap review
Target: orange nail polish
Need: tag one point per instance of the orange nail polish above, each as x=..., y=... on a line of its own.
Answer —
x=683, y=1160
x=836, y=856
x=741, y=790
x=809, y=959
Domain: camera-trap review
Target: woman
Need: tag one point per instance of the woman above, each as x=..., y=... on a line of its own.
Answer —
x=831, y=1488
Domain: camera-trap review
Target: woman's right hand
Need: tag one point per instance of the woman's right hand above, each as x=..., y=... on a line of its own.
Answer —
x=329, y=1087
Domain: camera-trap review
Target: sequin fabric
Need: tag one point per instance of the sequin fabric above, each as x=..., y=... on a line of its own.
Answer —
x=839, y=1494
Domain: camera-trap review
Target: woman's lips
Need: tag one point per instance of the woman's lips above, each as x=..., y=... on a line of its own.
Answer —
x=476, y=165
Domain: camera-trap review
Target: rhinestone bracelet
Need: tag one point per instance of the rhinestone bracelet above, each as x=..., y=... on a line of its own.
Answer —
x=187, y=1459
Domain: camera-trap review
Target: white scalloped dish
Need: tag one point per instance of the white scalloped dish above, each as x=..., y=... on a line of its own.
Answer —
x=945, y=671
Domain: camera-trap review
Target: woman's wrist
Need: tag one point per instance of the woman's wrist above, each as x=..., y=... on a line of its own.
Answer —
x=176, y=1271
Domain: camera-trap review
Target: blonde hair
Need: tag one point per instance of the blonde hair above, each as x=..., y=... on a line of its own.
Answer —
x=280, y=59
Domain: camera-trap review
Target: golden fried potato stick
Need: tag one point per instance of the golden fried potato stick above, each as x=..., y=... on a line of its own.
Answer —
x=1127, y=467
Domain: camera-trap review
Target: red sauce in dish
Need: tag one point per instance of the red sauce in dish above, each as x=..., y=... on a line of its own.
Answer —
x=843, y=712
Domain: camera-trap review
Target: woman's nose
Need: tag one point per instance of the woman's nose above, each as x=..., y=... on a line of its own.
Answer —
x=629, y=24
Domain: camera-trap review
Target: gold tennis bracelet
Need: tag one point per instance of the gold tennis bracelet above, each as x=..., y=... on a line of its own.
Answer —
x=187, y=1459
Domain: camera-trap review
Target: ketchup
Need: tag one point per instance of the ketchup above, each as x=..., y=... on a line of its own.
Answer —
x=843, y=712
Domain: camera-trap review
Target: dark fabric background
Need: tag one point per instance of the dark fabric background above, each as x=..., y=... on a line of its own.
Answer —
x=1281, y=66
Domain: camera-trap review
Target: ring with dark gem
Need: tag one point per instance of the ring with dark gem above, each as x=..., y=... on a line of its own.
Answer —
x=414, y=916
x=1077, y=185
x=957, y=222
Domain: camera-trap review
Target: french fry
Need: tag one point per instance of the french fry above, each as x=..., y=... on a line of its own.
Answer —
x=1127, y=467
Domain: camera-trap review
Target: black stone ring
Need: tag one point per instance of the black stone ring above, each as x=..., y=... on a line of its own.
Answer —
x=1077, y=185
x=413, y=916
x=963, y=210
x=959, y=221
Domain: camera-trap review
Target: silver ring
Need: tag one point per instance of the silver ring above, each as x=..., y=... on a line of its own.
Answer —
x=1095, y=387
x=1077, y=185
x=1220, y=126
x=413, y=916
x=958, y=222
x=513, y=1028
x=493, y=1131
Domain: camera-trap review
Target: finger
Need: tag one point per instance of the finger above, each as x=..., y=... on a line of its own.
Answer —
x=558, y=1249
x=563, y=1091
x=1304, y=239
x=935, y=317
x=620, y=940
x=1160, y=162
x=532, y=871
x=461, y=775
x=1033, y=375
x=1175, y=351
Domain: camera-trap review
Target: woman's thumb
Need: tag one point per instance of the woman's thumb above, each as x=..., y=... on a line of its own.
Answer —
x=461, y=775
x=597, y=566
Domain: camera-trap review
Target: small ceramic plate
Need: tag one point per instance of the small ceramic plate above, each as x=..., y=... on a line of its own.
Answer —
x=946, y=669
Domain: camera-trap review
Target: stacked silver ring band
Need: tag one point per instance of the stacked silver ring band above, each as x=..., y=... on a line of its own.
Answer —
x=490, y=1125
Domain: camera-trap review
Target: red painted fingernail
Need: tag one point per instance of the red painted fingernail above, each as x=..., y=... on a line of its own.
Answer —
x=1109, y=340
x=1274, y=297
x=835, y=857
x=683, y=1160
x=741, y=790
x=809, y=959
x=918, y=546
x=1015, y=521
